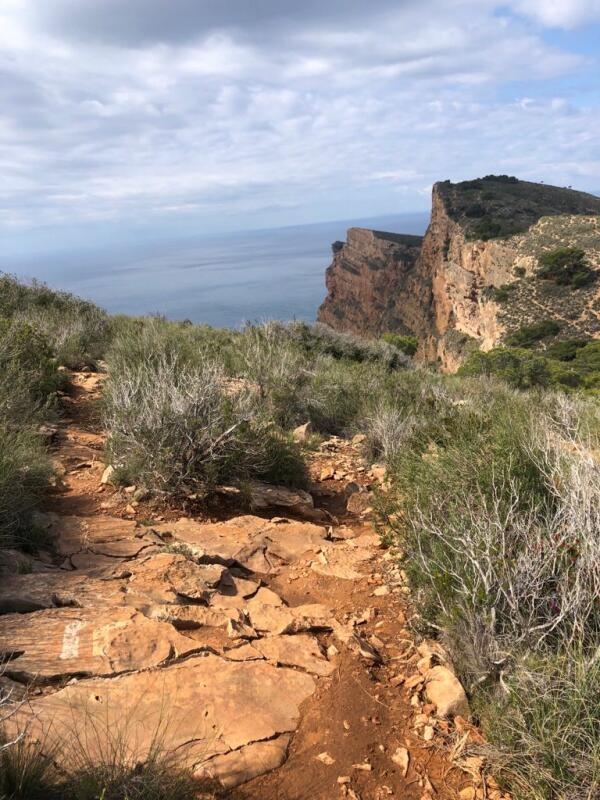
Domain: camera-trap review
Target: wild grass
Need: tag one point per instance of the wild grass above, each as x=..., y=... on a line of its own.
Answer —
x=96, y=760
x=76, y=330
x=495, y=503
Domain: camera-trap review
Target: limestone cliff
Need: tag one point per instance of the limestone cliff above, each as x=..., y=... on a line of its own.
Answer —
x=369, y=272
x=474, y=281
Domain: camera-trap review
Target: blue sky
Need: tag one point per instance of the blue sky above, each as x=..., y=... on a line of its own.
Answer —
x=150, y=119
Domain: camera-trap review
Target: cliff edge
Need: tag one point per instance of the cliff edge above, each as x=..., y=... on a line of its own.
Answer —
x=477, y=278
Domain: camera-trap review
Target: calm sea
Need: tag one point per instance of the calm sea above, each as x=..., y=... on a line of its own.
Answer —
x=222, y=280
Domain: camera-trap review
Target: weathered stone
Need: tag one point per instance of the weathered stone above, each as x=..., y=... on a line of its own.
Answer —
x=302, y=432
x=109, y=536
x=401, y=758
x=24, y=593
x=264, y=495
x=211, y=706
x=168, y=577
x=342, y=561
x=277, y=620
x=445, y=691
x=240, y=766
x=252, y=542
x=191, y=617
x=359, y=502
x=107, y=475
x=295, y=651
x=56, y=643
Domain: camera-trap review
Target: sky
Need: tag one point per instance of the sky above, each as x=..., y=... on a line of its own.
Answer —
x=150, y=119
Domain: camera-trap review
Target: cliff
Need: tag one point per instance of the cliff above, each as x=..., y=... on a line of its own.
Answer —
x=369, y=273
x=475, y=281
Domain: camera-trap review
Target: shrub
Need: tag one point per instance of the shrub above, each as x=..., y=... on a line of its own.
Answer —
x=276, y=367
x=24, y=473
x=339, y=394
x=76, y=330
x=26, y=358
x=529, y=335
x=406, y=344
x=566, y=266
x=498, y=519
x=174, y=428
x=519, y=368
x=567, y=350
x=320, y=339
x=501, y=294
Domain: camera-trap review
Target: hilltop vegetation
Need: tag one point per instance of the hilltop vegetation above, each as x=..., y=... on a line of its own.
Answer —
x=501, y=205
x=491, y=497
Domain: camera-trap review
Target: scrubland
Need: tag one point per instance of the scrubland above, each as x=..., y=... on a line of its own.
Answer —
x=491, y=499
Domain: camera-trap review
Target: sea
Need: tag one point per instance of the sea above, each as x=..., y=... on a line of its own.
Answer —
x=223, y=280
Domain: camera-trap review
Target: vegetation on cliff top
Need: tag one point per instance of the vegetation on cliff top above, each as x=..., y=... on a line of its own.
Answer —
x=501, y=205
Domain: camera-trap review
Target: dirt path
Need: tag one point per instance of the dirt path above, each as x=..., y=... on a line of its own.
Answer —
x=272, y=652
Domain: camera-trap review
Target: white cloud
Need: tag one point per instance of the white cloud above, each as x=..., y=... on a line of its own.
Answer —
x=560, y=13
x=231, y=120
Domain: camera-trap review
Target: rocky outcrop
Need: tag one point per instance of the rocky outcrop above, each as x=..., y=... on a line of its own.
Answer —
x=370, y=271
x=484, y=236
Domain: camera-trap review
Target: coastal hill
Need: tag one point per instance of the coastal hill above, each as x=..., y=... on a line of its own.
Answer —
x=500, y=255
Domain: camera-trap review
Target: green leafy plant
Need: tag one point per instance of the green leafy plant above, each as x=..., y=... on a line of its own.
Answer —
x=566, y=266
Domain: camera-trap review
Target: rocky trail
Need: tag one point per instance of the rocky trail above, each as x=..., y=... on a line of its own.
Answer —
x=268, y=649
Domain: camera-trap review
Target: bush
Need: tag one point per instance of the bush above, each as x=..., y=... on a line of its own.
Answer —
x=501, y=294
x=406, y=344
x=175, y=428
x=566, y=266
x=529, y=335
x=494, y=501
x=26, y=357
x=76, y=331
x=320, y=339
x=276, y=367
x=519, y=368
x=28, y=381
x=567, y=350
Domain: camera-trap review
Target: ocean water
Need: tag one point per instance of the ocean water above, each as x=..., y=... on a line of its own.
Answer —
x=222, y=280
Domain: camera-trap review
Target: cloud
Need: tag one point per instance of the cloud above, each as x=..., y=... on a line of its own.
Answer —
x=213, y=110
x=561, y=13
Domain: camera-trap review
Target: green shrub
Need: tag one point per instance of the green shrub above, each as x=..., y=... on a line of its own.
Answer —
x=566, y=350
x=544, y=732
x=566, y=266
x=406, y=344
x=519, y=368
x=501, y=294
x=320, y=339
x=24, y=473
x=76, y=330
x=529, y=335
x=25, y=355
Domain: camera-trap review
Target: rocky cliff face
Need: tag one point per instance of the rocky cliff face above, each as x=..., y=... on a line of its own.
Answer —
x=474, y=280
x=370, y=271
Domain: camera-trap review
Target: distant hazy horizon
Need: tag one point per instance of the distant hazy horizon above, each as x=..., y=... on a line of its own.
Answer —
x=222, y=280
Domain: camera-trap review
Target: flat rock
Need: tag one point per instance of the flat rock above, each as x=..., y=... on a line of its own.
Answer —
x=57, y=643
x=343, y=560
x=254, y=543
x=169, y=577
x=295, y=651
x=191, y=617
x=240, y=766
x=210, y=707
x=109, y=536
x=25, y=593
x=264, y=495
x=277, y=620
